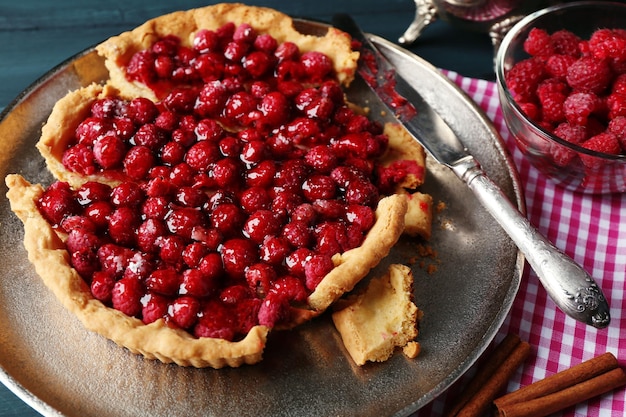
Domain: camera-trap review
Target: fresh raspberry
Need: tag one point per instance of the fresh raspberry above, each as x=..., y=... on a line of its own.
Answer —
x=538, y=43
x=205, y=40
x=151, y=136
x=191, y=197
x=154, y=307
x=127, y=194
x=274, y=250
x=215, y=321
x=291, y=288
x=316, y=269
x=233, y=294
x=102, y=286
x=82, y=240
x=316, y=65
x=237, y=255
x=181, y=100
x=524, y=77
x=551, y=86
x=260, y=277
x=305, y=213
x=140, y=265
x=261, y=224
x=330, y=238
x=579, y=106
x=261, y=175
x=617, y=126
x=265, y=43
x=142, y=111
x=254, y=199
x=574, y=133
x=126, y=296
x=171, y=249
x=274, y=308
x=123, y=222
x=79, y=158
x=531, y=110
x=182, y=220
x=362, y=216
x=589, y=74
x=211, y=267
x=319, y=187
x=211, y=99
x=183, y=175
x=124, y=127
x=227, y=218
x=296, y=261
x=172, y=153
x=566, y=43
x=201, y=155
x=258, y=63
x=184, y=311
x=108, y=107
x=616, y=103
x=329, y=209
x=287, y=51
x=109, y=151
x=297, y=233
x=76, y=222
x=85, y=262
x=98, y=212
x=619, y=84
x=90, y=129
x=138, y=162
x=164, y=281
x=607, y=44
x=275, y=110
x=114, y=259
x=558, y=65
x=606, y=143
x=57, y=202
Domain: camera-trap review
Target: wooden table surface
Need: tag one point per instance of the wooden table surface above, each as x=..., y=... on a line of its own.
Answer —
x=36, y=35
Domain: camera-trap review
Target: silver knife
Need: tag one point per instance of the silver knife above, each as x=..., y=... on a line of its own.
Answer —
x=573, y=290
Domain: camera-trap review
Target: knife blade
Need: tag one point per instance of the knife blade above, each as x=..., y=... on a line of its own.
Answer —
x=572, y=289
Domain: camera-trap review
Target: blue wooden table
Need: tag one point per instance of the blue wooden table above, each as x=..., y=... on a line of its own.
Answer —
x=36, y=35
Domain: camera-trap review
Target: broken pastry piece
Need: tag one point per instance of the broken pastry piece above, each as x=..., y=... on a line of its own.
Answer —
x=372, y=324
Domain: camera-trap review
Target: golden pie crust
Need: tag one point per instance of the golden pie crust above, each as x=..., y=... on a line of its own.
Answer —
x=45, y=245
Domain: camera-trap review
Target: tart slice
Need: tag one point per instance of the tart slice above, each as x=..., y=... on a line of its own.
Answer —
x=217, y=187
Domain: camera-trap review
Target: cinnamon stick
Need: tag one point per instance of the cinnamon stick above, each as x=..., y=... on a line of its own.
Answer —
x=482, y=399
x=496, y=358
x=551, y=403
x=559, y=381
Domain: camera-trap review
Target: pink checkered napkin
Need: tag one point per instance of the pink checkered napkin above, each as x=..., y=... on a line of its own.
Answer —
x=589, y=228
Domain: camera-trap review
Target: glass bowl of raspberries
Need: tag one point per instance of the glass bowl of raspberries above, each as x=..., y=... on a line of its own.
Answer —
x=561, y=76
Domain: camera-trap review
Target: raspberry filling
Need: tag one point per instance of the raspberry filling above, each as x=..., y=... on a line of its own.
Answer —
x=575, y=89
x=235, y=189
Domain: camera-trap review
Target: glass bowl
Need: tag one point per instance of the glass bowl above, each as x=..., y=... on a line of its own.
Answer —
x=571, y=166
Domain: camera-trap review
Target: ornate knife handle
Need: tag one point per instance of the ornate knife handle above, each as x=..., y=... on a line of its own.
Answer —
x=573, y=290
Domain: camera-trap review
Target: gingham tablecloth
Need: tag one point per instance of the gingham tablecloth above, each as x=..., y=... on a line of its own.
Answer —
x=589, y=228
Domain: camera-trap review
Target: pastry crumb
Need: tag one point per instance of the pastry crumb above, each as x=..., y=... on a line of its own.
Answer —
x=412, y=349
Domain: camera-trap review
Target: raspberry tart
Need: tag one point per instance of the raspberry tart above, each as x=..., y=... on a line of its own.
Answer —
x=216, y=187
